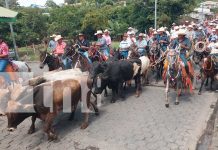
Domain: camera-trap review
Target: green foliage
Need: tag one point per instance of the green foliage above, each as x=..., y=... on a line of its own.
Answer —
x=91, y=15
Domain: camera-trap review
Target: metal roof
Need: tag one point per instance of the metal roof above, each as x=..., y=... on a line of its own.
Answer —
x=6, y=13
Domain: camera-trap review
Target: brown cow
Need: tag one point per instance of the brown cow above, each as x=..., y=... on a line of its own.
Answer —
x=43, y=112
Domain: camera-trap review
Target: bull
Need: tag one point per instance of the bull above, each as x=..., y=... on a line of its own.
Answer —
x=19, y=110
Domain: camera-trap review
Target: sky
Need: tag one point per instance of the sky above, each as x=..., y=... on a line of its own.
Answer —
x=38, y=2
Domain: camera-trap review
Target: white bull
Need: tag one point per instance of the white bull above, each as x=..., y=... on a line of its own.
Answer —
x=144, y=68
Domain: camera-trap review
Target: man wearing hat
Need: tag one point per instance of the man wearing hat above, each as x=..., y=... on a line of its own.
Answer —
x=130, y=31
x=190, y=32
x=213, y=37
x=102, y=43
x=131, y=39
x=84, y=45
x=199, y=34
x=184, y=45
x=124, y=46
x=52, y=43
x=141, y=45
x=163, y=39
x=107, y=37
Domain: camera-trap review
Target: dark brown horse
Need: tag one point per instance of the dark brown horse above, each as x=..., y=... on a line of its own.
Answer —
x=52, y=61
x=207, y=71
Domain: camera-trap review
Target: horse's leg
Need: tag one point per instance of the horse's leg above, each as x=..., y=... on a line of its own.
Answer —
x=211, y=83
x=202, y=83
x=178, y=90
x=206, y=84
x=167, y=92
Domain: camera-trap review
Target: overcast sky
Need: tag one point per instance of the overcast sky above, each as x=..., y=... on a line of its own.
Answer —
x=38, y=2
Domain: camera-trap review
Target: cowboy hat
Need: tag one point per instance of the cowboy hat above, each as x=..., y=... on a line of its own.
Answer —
x=173, y=24
x=155, y=32
x=98, y=32
x=181, y=32
x=58, y=37
x=53, y=35
x=141, y=35
x=216, y=27
x=81, y=34
x=106, y=30
x=176, y=28
x=130, y=28
x=190, y=26
x=161, y=29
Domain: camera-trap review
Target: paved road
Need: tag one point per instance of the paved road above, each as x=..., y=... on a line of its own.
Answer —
x=134, y=124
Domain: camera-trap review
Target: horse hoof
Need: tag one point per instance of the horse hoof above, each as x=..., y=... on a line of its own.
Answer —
x=176, y=103
x=31, y=131
x=52, y=137
x=84, y=126
x=167, y=105
x=113, y=101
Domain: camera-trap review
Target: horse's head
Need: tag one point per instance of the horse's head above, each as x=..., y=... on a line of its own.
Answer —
x=207, y=63
x=172, y=58
x=43, y=57
x=154, y=50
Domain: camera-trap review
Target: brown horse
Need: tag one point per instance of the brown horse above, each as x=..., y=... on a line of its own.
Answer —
x=207, y=71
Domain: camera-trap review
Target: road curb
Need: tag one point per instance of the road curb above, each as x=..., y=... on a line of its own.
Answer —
x=207, y=135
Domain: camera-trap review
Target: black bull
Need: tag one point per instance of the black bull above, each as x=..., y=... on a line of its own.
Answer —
x=113, y=75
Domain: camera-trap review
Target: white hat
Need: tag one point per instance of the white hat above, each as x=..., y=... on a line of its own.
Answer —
x=98, y=32
x=174, y=36
x=130, y=28
x=58, y=37
x=176, y=27
x=131, y=33
x=53, y=35
x=141, y=34
x=106, y=30
x=200, y=28
x=190, y=26
x=181, y=32
x=216, y=28
x=161, y=29
x=155, y=32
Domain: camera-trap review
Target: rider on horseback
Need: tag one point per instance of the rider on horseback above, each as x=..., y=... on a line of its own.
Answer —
x=102, y=43
x=163, y=39
x=4, y=51
x=141, y=45
x=60, y=48
x=184, y=45
x=84, y=46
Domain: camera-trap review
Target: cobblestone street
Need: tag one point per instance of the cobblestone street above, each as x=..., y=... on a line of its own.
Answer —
x=134, y=124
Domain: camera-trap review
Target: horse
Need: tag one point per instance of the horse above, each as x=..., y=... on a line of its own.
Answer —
x=208, y=71
x=52, y=61
x=175, y=76
x=156, y=60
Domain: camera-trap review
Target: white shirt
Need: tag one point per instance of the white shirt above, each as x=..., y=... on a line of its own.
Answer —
x=124, y=45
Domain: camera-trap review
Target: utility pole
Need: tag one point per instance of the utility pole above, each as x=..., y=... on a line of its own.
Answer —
x=155, y=15
x=12, y=34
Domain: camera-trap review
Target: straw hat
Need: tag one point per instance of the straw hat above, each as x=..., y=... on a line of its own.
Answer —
x=98, y=32
x=58, y=37
x=81, y=34
x=161, y=29
x=53, y=35
x=130, y=28
x=173, y=24
x=141, y=35
x=190, y=26
x=176, y=28
x=181, y=32
x=106, y=30
x=155, y=33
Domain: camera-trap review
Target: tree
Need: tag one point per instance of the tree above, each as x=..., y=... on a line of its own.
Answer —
x=11, y=3
x=51, y=3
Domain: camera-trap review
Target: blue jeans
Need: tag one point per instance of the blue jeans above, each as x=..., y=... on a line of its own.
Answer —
x=67, y=63
x=183, y=57
x=124, y=54
x=86, y=54
x=3, y=65
x=105, y=52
